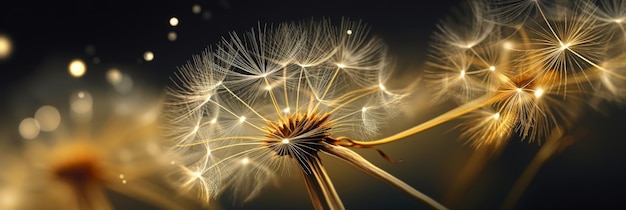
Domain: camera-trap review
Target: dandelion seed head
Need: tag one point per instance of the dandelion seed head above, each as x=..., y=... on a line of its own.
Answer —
x=522, y=52
x=279, y=94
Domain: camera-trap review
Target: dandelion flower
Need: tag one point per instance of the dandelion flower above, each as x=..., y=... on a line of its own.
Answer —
x=258, y=104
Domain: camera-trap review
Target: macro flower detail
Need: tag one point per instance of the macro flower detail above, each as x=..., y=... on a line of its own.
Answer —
x=533, y=63
x=257, y=104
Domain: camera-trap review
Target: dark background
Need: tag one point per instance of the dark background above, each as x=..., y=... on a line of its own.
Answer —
x=47, y=36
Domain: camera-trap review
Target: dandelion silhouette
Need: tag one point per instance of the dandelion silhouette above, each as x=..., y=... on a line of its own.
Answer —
x=257, y=104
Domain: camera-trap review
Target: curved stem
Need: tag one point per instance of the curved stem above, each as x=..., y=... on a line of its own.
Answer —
x=555, y=142
x=452, y=114
x=360, y=163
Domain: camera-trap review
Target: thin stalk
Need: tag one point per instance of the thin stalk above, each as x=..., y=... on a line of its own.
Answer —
x=318, y=183
x=91, y=197
x=470, y=172
x=315, y=192
x=452, y=114
x=554, y=143
x=360, y=163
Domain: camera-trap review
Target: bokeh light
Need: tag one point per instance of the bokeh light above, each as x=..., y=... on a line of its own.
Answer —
x=29, y=128
x=173, y=21
x=196, y=9
x=48, y=118
x=172, y=36
x=81, y=102
x=148, y=56
x=5, y=47
x=114, y=76
x=77, y=68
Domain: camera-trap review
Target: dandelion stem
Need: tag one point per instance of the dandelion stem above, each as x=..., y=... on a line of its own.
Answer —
x=359, y=162
x=318, y=183
x=452, y=114
x=91, y=197
x=556, y=142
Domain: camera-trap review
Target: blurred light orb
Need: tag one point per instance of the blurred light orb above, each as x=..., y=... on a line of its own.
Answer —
x=172, y=36
x=349, y=32
x=81, y=102
x=173, y=21
x=29, y=128
x=148, y=56
x=114, y=76
x=125, y=84
x=5, y=47
x=196, y=9
x=77, y=68
x=48, y=118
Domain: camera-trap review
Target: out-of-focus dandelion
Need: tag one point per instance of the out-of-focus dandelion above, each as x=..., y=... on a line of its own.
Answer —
x=72, y=164
x=276, y=97
x=531, y=62
x=526, y=67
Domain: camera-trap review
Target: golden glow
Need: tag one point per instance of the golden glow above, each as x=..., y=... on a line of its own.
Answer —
x=172, y=36
x=285, y=141
x=196, y=9
x=349, y=32
x=565, y=46
x=242, y=119
x=245, y=161
x=538, y=92
x=507, y=45
x=173, y=21
x=463, y=73
x=5, y=47
x=148, y=56
x=214, y=120
x=492, y=68
x=519, y=90
x=341, y=65
x=29, y=128
x=81, y=102
x=77, y=68
x=363, y=109
x=48, y=118
x=286, y=110
x=496, y=116
x=381, y=86
x=114, y=76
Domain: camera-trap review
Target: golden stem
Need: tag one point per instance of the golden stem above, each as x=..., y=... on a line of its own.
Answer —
x=554, y=143
x=360, y=163
x=318, y=182
x=452, y=114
